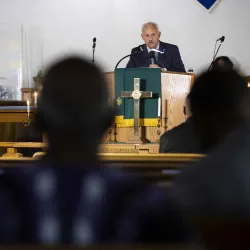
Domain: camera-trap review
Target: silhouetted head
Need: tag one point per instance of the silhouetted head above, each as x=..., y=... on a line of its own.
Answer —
x=73, y=108
x=222, y=63
x=218, y=103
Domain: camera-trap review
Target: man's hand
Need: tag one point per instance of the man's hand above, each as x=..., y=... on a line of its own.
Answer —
x=153, y=66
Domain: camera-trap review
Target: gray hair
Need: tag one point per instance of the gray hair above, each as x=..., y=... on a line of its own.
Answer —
x=150, y=24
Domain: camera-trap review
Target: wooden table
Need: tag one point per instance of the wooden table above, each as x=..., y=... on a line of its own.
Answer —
x=14, y=113
x=11, y=115
x=12, y=148
x=17, y=114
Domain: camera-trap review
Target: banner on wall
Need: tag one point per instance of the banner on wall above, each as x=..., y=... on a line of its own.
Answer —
x=208, y=4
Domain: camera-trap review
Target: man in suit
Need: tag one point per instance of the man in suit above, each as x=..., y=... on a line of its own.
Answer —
x=182, y=138
x=169, y=60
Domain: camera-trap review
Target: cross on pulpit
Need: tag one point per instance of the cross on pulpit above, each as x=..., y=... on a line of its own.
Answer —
x=136, y=95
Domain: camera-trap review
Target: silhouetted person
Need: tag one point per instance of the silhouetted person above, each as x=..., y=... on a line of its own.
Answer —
x=222, y=63
x=183, y=138
x=214, y=193
x=69, y=197
x=217, y=104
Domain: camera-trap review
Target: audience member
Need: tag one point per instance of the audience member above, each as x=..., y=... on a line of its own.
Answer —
x=69, y=198
x=214, y=193
x=217, y=102
x=222, y=63
x=183, y=138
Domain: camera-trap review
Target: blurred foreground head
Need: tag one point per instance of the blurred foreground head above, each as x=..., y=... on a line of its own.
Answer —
x=219, y=103
x=73, y=107
x=222, y=63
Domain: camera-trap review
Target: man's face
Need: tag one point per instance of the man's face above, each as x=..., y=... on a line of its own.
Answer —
x=151, y=36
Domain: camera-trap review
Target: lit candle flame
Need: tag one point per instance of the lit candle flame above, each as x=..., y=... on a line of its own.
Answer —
x=35, y=99
x=28, y=107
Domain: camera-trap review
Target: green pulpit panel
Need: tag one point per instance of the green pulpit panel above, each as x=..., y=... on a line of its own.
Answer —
x=150, y=80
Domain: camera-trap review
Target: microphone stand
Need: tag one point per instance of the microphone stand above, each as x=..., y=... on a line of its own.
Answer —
x=93, y=56
x=214, y=57
x=138, y=52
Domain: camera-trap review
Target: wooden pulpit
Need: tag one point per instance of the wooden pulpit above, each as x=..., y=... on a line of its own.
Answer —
x=175, y=86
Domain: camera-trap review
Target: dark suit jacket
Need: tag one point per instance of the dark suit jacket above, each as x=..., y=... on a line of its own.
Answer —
x=215, y=192
x=181, y=139
x=171, y=59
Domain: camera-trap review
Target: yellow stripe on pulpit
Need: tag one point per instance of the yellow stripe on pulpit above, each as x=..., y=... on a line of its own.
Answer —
x=125, y=123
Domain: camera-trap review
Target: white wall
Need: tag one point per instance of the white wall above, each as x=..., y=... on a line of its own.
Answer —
x=53, y=27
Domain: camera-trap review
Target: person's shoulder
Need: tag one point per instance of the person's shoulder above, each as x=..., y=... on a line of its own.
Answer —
x=136, y=48
x=177, y=129
x=169, y=45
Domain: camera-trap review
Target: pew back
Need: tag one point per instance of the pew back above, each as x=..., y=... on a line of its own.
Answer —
x=159, y=168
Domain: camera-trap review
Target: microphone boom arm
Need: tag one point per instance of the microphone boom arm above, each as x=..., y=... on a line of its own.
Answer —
x=93, y=57
x=214, y=57
x=126, y=57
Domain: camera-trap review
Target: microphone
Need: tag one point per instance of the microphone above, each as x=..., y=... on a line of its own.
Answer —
x=93, y=47
x=221, y=39
x=137, y=52
x=94, y=43
x=152, y=57
x=156, y=50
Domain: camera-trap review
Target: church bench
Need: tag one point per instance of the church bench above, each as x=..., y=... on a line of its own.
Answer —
x=100, y=247
x=143, y=160
x=160, y=168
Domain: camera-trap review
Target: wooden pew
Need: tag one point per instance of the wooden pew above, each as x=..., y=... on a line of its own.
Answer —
x=156, y=168
x=101, y=247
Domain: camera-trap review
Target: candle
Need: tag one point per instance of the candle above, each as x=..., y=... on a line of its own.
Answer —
x=159, y=107
x=35, y=99
x=28, y=107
